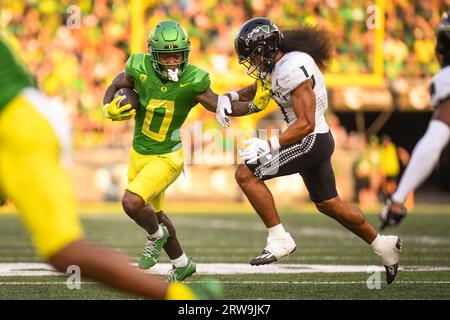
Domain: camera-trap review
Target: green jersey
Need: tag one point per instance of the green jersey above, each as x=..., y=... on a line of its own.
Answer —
x=163, y=106
x=13, y=77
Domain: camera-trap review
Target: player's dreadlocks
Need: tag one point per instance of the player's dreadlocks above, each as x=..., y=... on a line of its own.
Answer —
x=315, y=41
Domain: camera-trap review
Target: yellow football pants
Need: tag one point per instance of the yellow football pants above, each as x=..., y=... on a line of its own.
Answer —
x=31, y=172
x=150, y=175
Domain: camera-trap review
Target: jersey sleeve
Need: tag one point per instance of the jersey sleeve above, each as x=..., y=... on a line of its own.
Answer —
x=440, y=87
x=202, y=81
x=296, y=70
x=132, y=65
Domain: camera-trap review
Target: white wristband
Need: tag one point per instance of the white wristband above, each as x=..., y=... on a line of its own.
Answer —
x=274, y=143
x=234, y=95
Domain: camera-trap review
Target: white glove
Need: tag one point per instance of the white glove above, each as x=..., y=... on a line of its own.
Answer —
x=257, y=148
x=223, y=104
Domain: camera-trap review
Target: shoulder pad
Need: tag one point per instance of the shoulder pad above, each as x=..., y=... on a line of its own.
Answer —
x=295, y=68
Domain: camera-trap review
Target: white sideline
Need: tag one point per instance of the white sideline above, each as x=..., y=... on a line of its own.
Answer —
x=43, y=269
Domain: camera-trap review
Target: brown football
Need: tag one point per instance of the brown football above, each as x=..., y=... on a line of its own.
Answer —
x=131, y=97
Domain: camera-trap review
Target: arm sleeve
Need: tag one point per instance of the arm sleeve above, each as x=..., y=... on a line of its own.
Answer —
x=440, y=87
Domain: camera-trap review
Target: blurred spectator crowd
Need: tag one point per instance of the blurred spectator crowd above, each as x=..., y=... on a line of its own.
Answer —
x=76, y=64
x=75, y=60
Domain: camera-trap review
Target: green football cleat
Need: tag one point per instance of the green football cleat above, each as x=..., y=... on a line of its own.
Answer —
x=208, y=289
x=150, y=255
x=179, y=274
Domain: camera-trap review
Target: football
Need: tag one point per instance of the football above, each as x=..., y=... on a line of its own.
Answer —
x=131, y=97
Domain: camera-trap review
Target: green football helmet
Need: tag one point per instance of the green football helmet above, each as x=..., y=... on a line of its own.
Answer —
x=168, y=36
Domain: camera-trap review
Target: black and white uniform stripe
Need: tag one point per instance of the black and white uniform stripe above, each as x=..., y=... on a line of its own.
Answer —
x=285, y=156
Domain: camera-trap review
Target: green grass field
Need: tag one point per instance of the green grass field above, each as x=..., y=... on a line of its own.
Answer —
x=236, y=238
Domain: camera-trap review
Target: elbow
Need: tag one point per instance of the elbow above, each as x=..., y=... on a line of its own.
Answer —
x=303, y=128
x=309, y=126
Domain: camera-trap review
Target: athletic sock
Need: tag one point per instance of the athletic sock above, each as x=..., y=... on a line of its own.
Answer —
x=377, y=244
x=277, y=230
x=158, y=234
x=181, y=261
x=423, y=159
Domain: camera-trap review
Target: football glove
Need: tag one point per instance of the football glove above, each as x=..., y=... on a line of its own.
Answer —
x=389, y=218
x=223, y=105
x=256, y=148
x=115, y=113
x=262, y=96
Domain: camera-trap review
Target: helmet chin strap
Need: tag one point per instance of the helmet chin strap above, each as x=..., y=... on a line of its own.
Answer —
x=173, y=74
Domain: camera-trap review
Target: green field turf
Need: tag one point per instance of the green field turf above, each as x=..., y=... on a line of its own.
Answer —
x=237, y=238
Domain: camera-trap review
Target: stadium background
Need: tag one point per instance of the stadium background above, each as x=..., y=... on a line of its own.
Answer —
x=378, y=84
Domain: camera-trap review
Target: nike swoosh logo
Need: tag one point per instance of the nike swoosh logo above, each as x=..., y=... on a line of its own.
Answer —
x=184, y=84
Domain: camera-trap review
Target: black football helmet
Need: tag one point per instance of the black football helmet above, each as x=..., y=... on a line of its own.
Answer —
x=257, y=45
x=443, y=40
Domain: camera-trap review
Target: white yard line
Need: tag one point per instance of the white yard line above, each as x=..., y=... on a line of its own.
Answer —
x=16, y=283
x=42, y=269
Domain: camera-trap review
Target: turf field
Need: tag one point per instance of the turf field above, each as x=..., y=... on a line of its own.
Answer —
x=330, y=263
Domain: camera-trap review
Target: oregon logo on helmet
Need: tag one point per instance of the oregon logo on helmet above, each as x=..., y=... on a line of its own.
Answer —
x=265, y=29
x=169, y=37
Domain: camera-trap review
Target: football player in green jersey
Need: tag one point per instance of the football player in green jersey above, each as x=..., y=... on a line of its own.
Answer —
x=34, y=138
x=168, y=88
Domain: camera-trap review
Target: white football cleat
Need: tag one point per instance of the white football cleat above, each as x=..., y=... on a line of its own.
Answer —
x=389, y=253
x=276, y=248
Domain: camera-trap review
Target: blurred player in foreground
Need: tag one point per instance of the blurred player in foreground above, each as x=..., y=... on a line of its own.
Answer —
x=34, y=139
x=427, y=151
x=288, y=68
